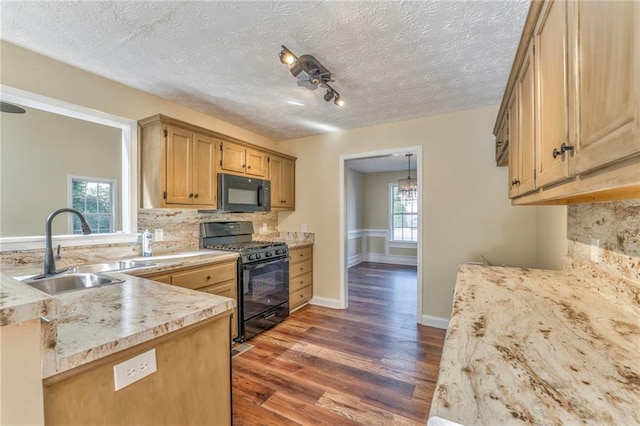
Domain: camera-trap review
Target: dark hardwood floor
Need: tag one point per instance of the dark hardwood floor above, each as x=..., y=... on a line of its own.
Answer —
x=370, y=364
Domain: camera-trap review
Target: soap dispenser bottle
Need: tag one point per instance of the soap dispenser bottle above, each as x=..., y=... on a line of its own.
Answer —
x=146, y=243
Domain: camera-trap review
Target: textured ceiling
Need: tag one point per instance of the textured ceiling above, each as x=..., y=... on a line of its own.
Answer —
x=392, y=60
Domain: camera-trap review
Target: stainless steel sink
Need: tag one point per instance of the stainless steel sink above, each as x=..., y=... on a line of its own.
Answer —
x=118, y=265
x=69, y=282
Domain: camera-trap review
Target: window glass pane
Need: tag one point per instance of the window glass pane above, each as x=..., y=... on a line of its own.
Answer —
x=95, y=200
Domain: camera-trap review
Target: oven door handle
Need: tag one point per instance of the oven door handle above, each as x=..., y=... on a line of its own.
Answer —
x=262, y=265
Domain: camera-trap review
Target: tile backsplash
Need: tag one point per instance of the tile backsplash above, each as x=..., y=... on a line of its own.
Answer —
x=181, y=229
x=617, y=226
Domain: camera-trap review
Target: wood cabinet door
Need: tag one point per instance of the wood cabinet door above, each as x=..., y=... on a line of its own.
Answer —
x=526, y=85
x=606, y=35
x=287, y=183
x=233, y=157
x=275, y=176
x=226, y=289
x=179, y=170
x=552, y=124
x=204, y=173
x=514, y=145
x=256, y=163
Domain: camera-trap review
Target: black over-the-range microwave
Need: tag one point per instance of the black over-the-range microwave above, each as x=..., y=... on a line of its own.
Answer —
x=240, y=194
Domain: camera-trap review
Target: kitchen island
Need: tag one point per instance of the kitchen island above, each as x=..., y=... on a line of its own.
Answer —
x=91, y=330
x=541, y=347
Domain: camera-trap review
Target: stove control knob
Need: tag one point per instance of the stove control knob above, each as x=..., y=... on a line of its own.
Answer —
x=269, y=254
x=251, y=256
x=258, y=256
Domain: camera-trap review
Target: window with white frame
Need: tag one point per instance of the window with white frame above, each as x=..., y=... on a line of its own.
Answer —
x=96, y=199
x=404, y=217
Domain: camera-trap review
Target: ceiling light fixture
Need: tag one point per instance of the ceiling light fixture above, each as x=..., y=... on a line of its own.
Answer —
x=408, y=188
x=310, y=74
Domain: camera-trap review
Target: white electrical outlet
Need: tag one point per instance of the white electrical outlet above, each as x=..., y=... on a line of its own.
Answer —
x=595, y=250
x=159, y=234
x=134, y=369
x=304, y=227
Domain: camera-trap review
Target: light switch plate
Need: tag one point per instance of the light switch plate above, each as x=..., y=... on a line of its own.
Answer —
x=134, y=369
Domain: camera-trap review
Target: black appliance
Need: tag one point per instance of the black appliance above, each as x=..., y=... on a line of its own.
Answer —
x=263, y=275
x=240, y=194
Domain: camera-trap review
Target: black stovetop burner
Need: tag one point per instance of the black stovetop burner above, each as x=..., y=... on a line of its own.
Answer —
x=237, y=236
x=243, y=247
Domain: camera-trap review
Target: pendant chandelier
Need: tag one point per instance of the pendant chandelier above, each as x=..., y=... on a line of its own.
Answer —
x=408, y=188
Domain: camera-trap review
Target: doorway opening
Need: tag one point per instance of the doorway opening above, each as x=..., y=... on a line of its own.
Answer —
x=376, y=226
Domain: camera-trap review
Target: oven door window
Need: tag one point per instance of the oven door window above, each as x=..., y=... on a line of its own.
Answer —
x=265, y=286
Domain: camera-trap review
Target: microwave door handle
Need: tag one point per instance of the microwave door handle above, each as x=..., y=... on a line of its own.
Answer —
x=260, y=195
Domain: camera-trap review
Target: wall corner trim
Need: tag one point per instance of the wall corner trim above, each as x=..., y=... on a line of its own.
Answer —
x=437, y=322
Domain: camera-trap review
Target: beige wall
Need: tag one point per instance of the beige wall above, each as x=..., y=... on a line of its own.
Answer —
x=40, y=147
x=21, y=401
x=465, y=204
x=26, y=70
x=354, y=194
x=376, y=200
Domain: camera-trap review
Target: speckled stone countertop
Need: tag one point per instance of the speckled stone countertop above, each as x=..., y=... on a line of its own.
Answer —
x=539, y=347
x=92, y=323
x=19, y=302
x=291, y=239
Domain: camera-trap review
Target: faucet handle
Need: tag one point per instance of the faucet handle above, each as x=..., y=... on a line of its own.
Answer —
x=58, y=257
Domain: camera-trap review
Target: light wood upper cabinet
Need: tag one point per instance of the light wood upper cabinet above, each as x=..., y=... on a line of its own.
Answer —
x=514, y=145
x=576, y=78
x=190, y=168
x=282, y=176
x=606, y=47
x=526, y=89
x=180, y=163
x=243, y=160
x=552, y=95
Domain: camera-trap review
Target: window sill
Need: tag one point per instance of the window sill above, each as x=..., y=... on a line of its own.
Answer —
x=37, y=242
x=402, y=244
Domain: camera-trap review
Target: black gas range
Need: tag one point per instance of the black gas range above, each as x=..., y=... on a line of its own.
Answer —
x=263, y=274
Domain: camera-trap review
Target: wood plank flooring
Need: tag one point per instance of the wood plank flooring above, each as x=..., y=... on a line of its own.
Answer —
x=370, y=364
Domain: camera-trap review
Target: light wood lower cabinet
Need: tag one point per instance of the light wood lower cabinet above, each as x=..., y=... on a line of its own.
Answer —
x=192, y=384
x=219, y=278
x=300, y=276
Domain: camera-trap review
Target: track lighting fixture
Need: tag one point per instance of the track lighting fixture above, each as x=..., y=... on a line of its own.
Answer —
x=310, y=74
x=286, y=57
x=329, y=95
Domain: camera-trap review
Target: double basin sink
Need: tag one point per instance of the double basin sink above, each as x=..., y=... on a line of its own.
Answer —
x=84, y=276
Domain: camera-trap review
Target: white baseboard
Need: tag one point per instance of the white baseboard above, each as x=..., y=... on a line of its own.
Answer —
x=354, y=260
x=326, y=302
x=391, y=258
x=437, y=322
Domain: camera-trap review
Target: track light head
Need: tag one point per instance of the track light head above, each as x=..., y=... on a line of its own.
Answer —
x=329, y=95
x=286, y=57
x=338, y=100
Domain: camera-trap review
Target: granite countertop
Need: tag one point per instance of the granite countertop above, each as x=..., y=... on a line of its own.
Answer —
x=20, y=303
x=542, y=347
x=92, y=323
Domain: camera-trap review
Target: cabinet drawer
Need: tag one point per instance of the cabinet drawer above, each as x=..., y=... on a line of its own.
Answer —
x=300, y=268
x=299, y=297
x=202, y=277
x=298, y=254
x=296, y=283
